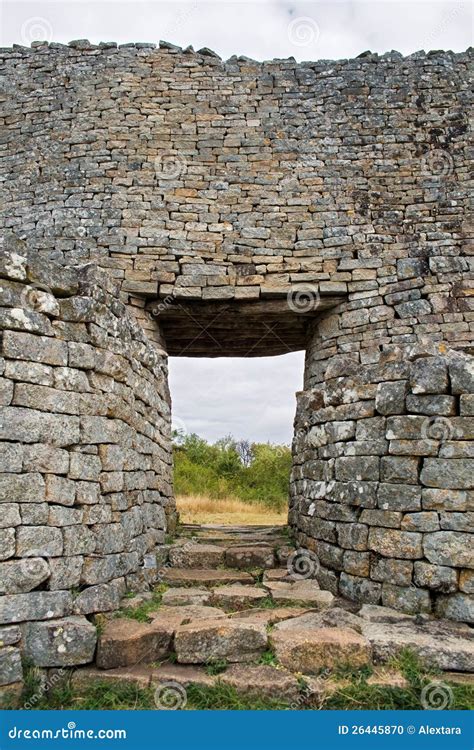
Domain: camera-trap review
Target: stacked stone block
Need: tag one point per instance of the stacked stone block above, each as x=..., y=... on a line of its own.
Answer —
x=383, y=482
x=85, y=457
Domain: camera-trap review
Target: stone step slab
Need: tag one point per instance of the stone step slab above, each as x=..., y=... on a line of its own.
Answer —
x=330, y=618
x=193, y=555
x=306, y=593
x=205, y=577
x=436, y=642
x=177, y=597
x=125, y=642
x=197, y=643
x=310, y=651
x=250, y=556
x=238, y=596
x=138, y=674
x=268, y=616
x=262, y=680
x=173, y=617
x=276, y=574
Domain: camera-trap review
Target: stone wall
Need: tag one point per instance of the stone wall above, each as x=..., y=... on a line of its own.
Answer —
x=189, y=176
x=382, y=486
x=85, y=461
x=333, y=190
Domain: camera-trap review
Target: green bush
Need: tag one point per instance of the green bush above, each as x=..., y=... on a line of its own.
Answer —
x=253, y=472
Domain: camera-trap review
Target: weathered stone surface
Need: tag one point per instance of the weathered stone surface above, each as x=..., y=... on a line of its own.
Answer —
x=398, y=572
x=429, y=375
x=60, y=643
x=253, y=556
x=102, y=598
x=406, y=598
x=37, y=605
x=237, y=596
x=184, y=596
x=196, y=556
x=395, y=543
x=330, y=618
x=262, y=680
x=448, y=473
x=307, y=593
x=310, y=651
x=196, y=577
x=438, y=643
x=11, y=669
x=359, y=589
x=461, y=374
x=125, y=642
x=236, y=641
x=457, y=607
x=449, y=548
x=390, y=398
x=9, y=635
x=21, y=576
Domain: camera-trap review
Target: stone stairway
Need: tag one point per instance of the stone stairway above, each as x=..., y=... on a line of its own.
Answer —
x=233, y=600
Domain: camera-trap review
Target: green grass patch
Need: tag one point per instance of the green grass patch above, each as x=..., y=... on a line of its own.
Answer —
x=225, y=698
x=216, y=666
x=359, y=695
x=268, y=659
x=143, y=612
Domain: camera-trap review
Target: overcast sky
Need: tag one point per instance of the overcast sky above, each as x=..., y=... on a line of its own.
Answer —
x=250, y=398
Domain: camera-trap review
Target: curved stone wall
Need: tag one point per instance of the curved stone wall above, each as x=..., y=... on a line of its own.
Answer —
x=382, y=486
x=85, y=457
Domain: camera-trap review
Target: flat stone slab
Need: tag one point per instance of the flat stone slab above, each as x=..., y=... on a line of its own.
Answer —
x=235, y=641
x=183, y=596
x=269, y=616
x=183, y=674
x=310, y=651
x=139, y=674
x=238, y=596
x=189, y=577
x=250, y=556
x=262, y=680
x=441, y=643
x=195, y=555
x=173, y=617
x=376, y=613
x=305, y=592
x=331, y=618
x=125, y=642
x=276, y=574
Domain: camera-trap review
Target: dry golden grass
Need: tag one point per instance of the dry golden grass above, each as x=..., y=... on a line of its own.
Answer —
x=228, y=511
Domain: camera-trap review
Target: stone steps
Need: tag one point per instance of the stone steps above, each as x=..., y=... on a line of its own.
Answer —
x=214, y=613
x=204, y=577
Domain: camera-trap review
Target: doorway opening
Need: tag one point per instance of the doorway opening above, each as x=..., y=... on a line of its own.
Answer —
x=232, y=432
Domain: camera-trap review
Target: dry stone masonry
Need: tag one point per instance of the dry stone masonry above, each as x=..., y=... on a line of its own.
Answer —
x=162, y=201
